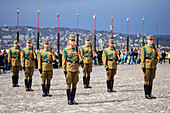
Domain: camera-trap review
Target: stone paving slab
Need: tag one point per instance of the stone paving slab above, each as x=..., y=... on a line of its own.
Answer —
x=128, y=98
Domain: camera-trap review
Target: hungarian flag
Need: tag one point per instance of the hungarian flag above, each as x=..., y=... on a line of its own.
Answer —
x=17, y=10
x=157, y=21
x=58, y=14
x=143, y=19
x=77, y=13
x=128, y=19
x=38, y=11
x=94, y=16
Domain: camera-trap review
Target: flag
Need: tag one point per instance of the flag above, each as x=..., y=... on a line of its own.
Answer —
x=128, y=19
x=77, y=13
x=156, y=21
x=58, y=14
x=143, y=19
x=17, y=10
x=38, y=11
x=94, y=16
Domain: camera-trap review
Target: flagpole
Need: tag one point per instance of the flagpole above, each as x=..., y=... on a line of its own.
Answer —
x=111, y=27
x=18, y=24
x=77, y=30
x=143, y=32
x=38, y=30
x=157, y=32
x=127, y=34
x=58, y=35
x=94, y=32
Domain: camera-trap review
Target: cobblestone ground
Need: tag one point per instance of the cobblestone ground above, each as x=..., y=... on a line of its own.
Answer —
x=128, y=98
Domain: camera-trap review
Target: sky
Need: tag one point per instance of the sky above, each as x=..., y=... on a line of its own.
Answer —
x=135, y=9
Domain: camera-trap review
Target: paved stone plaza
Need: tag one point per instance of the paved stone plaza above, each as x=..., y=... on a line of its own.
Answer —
x=128, y=98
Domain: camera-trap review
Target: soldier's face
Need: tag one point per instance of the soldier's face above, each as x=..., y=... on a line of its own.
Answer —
x=87, y=42
x=47, y=45
x=150, y=42
x=15, y=44
x=28, y=44
x=72, y=42
x=111, y=45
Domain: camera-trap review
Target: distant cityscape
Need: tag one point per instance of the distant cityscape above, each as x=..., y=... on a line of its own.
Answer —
x=8, y=35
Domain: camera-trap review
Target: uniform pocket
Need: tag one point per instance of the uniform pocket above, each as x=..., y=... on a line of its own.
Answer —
x=112, y=65
x=29, y=63
x=15, y=62
x=148, y=63
x=47, y=67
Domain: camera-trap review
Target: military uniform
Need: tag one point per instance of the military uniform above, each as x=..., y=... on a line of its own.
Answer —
x=87, y=56
x=45, y=58
x=27, y=61
x=70, y=64
x=14, y=60
x=148, y=64
x=109, y=58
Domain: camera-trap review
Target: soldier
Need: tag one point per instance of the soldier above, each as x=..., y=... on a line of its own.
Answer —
x=148, y=63
x=87, y=56
x=109, y=58
x=27, y=61
x=45, y=58
x=14, y=60
x=70, y=64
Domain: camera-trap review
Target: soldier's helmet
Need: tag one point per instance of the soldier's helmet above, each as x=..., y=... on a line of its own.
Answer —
x=72, y=37
x=87, y=39
x=46, y=41
x=28, y=40
x=15, y=41
x=111, y=41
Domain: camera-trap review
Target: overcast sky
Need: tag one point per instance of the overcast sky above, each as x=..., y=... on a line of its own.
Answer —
x=135, y=9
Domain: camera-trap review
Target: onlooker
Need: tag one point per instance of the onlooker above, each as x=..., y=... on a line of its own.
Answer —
x=135, y=55
x=5, y=54
x=1, y=61
x=131, y=56
x=122, y=57
x=169, y=57
x=163, y=54
x=139, y=57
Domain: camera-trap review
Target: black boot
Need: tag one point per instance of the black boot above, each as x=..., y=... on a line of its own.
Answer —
x=47, y=90
x=146, y=92
x=13, y=81
x=73, y=93
x=17, y=81
x=150, y=92
x=111, y=86
x=88, y=81
x=69, y=97
x=43, y=88
x=108, y=86
x=29, y=85
x=84, y=82
x=26, y=85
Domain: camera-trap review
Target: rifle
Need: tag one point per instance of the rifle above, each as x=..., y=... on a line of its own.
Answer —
x=156, y=51
x=116, y=54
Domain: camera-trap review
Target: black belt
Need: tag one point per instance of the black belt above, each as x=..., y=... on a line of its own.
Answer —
x=73, y=62
x=150, y=58
x=110, y=60
x=87, y=56
x=14, y=57
x=29, y=59
x=46, y=61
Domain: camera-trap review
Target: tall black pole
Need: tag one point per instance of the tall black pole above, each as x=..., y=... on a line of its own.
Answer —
x=38, y=31
x=157, y=33
x=58, y=35
x=127, y=34
x=18, y=24
x=94, y=32
x=77, y=30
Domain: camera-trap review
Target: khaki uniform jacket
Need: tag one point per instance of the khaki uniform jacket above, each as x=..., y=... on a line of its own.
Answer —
x=70, y=60
x=45, y=58
x=27, y=57
x=14, y=56
x=148, y=57
x=87, y=54
x=109, y=58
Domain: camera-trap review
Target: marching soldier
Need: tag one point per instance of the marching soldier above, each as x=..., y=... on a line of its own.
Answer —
x=45, y=58
x=109, y=58
x=14, y=60
x=148, y=63
x=70, y=64
x=87, y=56
x=27, y=61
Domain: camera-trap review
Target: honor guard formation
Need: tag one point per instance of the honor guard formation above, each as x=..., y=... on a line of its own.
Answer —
x=72, y=58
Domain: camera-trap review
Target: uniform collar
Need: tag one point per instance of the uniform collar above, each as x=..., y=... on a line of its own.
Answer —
x=87, y=46
x=28, y=48
x=46, y=49
x=110, y=48
x=150, y=46
x=15, y=48
x=71, y=47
